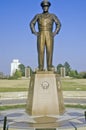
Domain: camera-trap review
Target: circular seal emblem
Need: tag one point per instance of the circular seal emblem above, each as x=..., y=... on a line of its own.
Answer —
x=45, y=85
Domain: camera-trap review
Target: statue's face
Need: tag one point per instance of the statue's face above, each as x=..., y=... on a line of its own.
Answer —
x=45, y=9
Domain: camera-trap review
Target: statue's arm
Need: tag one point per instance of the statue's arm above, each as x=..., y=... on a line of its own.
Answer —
x=58, y=25
x=32, y=25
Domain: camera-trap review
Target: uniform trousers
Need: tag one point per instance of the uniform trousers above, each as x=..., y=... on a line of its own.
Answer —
x=45, y=41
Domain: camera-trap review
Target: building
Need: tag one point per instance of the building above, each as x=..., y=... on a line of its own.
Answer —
x=14, y=66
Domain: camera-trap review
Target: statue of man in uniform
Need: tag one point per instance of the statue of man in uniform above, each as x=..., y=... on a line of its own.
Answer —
x=45, y=34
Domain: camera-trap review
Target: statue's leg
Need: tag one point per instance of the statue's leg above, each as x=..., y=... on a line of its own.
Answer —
x=49, y=50
x=40, y=47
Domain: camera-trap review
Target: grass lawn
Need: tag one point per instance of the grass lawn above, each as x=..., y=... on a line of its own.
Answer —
x=12, y=107
x=74, y=84
x=14, y=85
x=24, y=106
x=68, y=84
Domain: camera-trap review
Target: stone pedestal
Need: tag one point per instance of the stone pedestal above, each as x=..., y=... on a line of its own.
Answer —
x=45, y=94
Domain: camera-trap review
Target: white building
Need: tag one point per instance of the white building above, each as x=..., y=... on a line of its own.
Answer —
x=14, y=66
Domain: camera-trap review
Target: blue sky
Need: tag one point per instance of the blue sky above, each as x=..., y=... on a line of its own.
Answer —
x=17, y=41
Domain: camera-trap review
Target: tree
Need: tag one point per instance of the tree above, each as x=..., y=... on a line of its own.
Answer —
x=22, y=69
x=59, y=67
x=83, y=74
x=17, y=74
x=73, y=73
x=67, y=68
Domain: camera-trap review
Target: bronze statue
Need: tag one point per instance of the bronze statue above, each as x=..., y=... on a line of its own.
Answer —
x=45, y=34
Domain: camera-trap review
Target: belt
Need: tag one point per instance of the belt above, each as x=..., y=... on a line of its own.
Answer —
x=45, y=29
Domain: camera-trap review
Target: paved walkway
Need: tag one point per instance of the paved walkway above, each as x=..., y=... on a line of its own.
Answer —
x=17, y=119
x=19, y=95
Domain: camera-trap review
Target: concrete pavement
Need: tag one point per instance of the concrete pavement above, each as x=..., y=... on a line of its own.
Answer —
x=17, y=119
x=20, y=95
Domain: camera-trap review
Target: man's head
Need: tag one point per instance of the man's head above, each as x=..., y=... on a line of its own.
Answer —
x=45, y=5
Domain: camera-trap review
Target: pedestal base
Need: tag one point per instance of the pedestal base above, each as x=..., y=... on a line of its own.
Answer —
x=45, y=95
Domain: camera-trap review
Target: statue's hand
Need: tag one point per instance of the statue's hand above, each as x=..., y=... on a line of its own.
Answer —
x=54, y=33
x=36, y=33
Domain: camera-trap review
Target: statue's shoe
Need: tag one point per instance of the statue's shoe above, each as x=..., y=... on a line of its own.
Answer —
x=52, y=68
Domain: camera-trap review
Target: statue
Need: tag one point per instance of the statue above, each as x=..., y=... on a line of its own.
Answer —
x=45, y=34
x=45, y=86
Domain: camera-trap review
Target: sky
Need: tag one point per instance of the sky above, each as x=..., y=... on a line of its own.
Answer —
x=17, y=41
